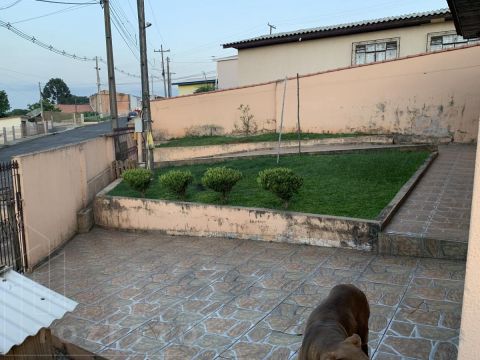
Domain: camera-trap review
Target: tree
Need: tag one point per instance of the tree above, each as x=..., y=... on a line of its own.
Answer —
x=18, y=112
x=204, y=88
x=4, y=104
x=47, y=106
x=55, y=90
x=74, y=99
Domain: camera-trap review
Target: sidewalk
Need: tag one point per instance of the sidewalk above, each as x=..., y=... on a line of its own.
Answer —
x=438, y=209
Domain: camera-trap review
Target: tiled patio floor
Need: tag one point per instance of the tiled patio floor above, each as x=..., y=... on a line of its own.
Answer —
x=439, y=206
x=160, y=297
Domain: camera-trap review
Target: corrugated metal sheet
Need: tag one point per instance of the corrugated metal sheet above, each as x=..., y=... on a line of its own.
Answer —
x=439, y=12
x=26, y=307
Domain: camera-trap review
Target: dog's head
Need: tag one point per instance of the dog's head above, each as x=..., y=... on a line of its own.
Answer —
x=348, y=349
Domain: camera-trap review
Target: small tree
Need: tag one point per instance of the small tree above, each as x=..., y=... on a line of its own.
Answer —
x=282, y=182
x=247, y=125
x=138, y=179
x=221, y=180
x=4, y=103
x=204, y=88
x=177, y=182
x=55, y=90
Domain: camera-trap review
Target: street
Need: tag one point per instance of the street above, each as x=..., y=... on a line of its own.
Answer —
x=52, y=141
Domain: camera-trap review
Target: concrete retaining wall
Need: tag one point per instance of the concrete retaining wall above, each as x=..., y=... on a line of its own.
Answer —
x=177, y=218
x=56, y=184
x=435, y=94
x=192, y=152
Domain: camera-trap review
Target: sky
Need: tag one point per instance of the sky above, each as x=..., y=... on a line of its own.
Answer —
x=192, y=30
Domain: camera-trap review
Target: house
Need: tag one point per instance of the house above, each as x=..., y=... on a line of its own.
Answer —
x=190, y=86
x=272, y=57
x=29, y=309
x=100, y=102
x=75, y=108
x=227, y=72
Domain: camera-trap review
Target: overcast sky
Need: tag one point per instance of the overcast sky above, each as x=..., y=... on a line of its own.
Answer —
x=193, y=30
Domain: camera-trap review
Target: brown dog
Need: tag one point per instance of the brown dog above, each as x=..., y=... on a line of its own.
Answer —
x=338, y=327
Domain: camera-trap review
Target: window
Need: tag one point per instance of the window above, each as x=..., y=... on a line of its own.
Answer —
x=374, y=51
x=438, y=41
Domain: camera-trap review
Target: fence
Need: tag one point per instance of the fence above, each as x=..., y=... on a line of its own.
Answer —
x=12, y=245
x=12, y=133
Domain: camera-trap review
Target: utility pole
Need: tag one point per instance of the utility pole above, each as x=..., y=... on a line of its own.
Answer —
x=146, y=114
x=98, y=98
x=271, y=27
x=169, y=88
x=41, y=109
x=112, y=91
x=163, y=69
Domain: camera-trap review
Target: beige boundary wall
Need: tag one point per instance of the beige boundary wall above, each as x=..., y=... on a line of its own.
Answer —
x=433, y=94
x=192, y=152
x=181, y=218
x=469, y=347
x=56, y=184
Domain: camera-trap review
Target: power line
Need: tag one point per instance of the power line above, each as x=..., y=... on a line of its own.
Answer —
x=74, y=7
x=11, y=5
x=68, y=3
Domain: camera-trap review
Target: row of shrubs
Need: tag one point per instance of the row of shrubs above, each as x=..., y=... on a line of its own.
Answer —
x=282, y=182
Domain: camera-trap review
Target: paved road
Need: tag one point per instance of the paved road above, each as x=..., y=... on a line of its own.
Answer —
x=52, y=141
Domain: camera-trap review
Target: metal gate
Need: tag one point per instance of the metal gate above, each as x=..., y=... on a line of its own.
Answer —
x=125, y=144
x=12, y=234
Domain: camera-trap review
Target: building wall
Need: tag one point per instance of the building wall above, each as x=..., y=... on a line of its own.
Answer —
x=274, y=62
x=8, y=122
x=123, y=103
x=187, y=89
x=56, y=184
x=227, y=73
x=431, y=95
x=469, y=346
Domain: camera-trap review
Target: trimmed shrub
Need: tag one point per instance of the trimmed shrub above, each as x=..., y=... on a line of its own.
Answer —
x=221, y=180
x=138, y=179
x=283, y=182
x=177, y=181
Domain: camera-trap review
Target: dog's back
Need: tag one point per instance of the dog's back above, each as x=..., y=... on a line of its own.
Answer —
x=338, y=326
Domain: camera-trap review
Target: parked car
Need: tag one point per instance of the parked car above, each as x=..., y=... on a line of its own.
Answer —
x=132, y=115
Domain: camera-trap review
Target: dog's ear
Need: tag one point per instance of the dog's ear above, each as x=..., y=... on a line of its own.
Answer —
x=354, y=340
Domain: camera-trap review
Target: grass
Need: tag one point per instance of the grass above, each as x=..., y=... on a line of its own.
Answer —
x=222, y=139
x=356, y=185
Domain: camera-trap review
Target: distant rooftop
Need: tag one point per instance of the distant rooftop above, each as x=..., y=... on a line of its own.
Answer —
x=195, y=82
x=343, y=29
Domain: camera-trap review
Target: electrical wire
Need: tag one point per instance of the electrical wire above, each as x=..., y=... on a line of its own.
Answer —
x=68, y=3
x=74, y=7
x=11, y=5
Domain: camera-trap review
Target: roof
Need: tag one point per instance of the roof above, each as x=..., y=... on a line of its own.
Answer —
x=26, y=307
x=227, y=58
x=342, y=29
x=466, y=15
x=34, y=113
x=195, y=82
x=70, y=109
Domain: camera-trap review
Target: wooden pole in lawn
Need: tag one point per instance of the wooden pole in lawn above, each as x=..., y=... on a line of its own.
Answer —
x=298, y=115
x=281, y=119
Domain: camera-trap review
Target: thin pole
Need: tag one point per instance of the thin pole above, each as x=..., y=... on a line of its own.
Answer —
x=112, y=90
x=97, y=98
x=163, y=69
x=298, y=115
x=41, y=109
x=281, y=119
x=146, y=113
x=169, y=86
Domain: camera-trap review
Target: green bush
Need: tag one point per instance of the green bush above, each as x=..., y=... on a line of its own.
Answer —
x=138, y=179
x=177, y=181
x=221, y=179
x=282, y=182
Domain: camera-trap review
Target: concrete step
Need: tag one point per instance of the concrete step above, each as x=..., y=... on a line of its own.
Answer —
x=390, y=243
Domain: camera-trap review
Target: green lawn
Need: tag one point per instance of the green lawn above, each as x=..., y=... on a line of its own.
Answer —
x=220, y=140
x=356, y=185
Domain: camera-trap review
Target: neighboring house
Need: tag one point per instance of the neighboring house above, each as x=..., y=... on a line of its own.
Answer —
x=272, y=57
x=74, y=109
x=101, y=102
x=189, y=87
x=227, y=72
